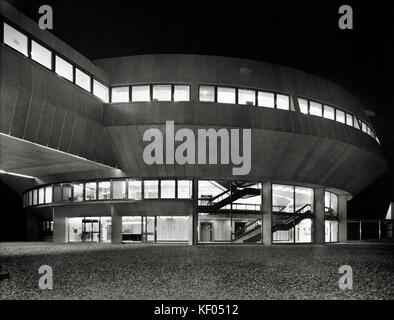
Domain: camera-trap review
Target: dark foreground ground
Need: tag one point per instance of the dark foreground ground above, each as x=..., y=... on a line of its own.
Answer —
x=83, y=271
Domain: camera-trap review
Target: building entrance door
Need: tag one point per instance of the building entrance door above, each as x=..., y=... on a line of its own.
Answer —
x=206, y=232
x=91, y=230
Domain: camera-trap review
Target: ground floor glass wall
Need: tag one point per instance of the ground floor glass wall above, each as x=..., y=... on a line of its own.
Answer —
x=231, y=212
x=155, y=229
x=331, y=231
x=89, y=229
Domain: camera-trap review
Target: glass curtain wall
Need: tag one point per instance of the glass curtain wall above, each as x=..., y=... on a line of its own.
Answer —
x=229, y=212
x=292, y=214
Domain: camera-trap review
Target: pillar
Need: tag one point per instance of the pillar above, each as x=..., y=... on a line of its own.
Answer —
x=60, y=225
x=116, y=226
x=342, y=218
x=319, y=230
x=267, y=213
x=193, y=217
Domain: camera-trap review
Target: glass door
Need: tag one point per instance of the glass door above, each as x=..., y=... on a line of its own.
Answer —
x=91, y=230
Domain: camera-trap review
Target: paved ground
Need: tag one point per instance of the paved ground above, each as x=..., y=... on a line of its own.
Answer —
x=83, y=271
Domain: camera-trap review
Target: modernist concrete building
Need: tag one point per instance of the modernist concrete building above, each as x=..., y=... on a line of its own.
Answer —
x=73, y=129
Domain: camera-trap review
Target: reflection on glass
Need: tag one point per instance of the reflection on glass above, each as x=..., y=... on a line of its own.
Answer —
x=63, y=68
x=67, y=191
x=303, y=199
x=172, y=229
x=101, y=91
x=303, y=231
x=41, y=194
x=132, y=229
x=331, y=228
x=82, y=80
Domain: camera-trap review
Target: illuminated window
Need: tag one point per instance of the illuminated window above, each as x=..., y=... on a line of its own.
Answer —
x=266, y=99
x=41, y=195
x=104, y=190
x=162, y=93
x=100, y=91
x=135, y=189
x=48, y=194
x=140, y=93
x=340, y=116
x=315, y=109
x=41, y=55
x=151, y=189
x=363, y=127
x=167, y=189
x=120, y=94
x=282, y=102
x=184, y=189
x=349, y=119
x=181, y=93
x=90, y=191
x=329, y=113
x=356, y=124
x=119, y=189
x=63, y=68
x=207, y=94
x=82, y=80
x=226, y=95
x=247, y=97
x=78, y=192
x=303, y=103
x=15, y=39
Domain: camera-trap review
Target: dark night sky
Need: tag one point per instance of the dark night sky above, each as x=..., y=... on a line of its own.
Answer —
x=299, y=34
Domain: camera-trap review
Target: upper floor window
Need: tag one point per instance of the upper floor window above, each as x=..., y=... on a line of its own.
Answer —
x=226, y=95
x=315, y=109
x=41, y=55
x=120, y=94
x=247, y=97
x=349, y=119
x=82, y=80
x=15, y=39
x=303, y=103
x=282, y=102
x=100, y=91
x=140, y=93
x=266, y=99
x=162, y=93
x=329, y=113
x=181, y=93
x=340, y=116
x=363, y=127
x=63, y=68
x=207, y=93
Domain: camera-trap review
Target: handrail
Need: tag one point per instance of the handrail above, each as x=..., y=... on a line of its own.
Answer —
x=246, y=228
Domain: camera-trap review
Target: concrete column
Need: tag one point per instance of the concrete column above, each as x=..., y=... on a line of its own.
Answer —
x=33, y=227
x=116, y=226
x=193, y=217
x=342, y=218
x=60, y=226
x=319, y=231
x=267, y=213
